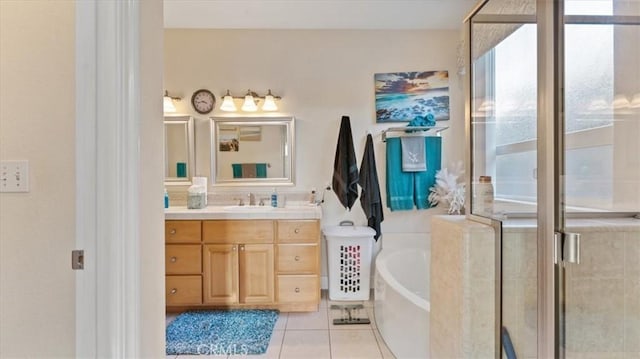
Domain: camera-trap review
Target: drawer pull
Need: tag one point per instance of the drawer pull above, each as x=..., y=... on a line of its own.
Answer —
x=296, y=231
x=297, y=290
x=173, y=231
x=174, y=291
x=297, y=258
x=173, y=259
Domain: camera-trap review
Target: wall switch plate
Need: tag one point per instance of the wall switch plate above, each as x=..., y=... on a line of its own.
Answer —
x=14, y=176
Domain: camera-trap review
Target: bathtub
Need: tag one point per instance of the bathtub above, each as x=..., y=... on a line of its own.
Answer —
x=401, y=304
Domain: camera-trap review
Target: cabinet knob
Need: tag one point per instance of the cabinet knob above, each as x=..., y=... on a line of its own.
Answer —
x=173, y=231
x=173, y=259
x=297, y=290
x=242, y=247
x=174, y=291
x=297, y=258
x=234, y=248
x=296, y=231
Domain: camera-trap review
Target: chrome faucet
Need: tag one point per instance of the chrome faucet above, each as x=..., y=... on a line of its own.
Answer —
x=252, y=199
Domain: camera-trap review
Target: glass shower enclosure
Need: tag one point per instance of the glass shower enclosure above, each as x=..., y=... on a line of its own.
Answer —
x=553, y=118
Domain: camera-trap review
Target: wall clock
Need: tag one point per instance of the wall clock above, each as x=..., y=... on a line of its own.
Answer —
x=203, y=101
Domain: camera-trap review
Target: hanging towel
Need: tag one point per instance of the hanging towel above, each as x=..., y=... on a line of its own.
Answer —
x=399, y=184
x=237, y=170
x=248, y=170
x=345, y=168
x=413, y=155
x=261, y=170
x=427, y=179
x=370, y=195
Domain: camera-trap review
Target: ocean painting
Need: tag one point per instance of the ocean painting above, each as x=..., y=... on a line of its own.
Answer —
x=403, y=96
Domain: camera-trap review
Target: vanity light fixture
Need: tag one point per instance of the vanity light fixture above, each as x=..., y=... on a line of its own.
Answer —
x=269, y=102
x=250, y=102
x=228, y=104
x=167, y=102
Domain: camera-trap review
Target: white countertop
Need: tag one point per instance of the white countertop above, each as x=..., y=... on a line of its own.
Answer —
x=235, y=212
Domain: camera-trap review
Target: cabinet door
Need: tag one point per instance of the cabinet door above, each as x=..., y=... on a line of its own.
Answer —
x=220, y=275
x=256, y=273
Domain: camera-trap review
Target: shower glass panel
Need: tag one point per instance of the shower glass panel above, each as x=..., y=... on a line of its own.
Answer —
x=600, y=316
x=503, y=131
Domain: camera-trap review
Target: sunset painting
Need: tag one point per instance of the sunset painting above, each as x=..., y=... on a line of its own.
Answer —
x=402, y=96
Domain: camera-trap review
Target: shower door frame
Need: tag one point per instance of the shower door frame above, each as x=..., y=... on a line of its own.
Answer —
x=551, y=212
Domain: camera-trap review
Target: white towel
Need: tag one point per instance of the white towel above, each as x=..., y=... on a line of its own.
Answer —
x=413, y=154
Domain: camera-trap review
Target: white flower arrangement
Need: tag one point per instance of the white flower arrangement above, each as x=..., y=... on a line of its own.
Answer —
x=448, y=190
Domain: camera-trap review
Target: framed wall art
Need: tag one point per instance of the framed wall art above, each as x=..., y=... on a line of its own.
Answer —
x=403, y=96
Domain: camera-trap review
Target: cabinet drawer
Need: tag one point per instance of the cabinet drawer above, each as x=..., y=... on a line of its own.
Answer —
x=183, y=290
x=300, y=231
x=183, y=259
x=298, y=288
x=298, y=258
x=182, y=231
x=237, y=231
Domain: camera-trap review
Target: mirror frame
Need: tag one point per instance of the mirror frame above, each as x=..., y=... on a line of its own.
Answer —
x=191, y=157
x=287, y=121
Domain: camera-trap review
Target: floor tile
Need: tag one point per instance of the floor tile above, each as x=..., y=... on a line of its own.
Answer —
x=354, y=344
x=372, y=317
x=281, y=323
x=309, y=320
x=307, y=344
x=386, y=352
x=273, y=351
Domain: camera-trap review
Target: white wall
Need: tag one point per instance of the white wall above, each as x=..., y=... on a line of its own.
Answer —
x=37, y=123
x=321, y=75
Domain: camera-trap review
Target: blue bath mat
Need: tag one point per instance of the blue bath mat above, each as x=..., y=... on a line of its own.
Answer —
x=220, y=332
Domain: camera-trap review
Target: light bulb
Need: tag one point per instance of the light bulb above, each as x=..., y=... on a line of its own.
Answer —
x=269, y=103
x=227, y=103
x=249, y=104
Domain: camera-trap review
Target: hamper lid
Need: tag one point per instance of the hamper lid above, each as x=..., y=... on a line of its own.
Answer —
x=348, y=231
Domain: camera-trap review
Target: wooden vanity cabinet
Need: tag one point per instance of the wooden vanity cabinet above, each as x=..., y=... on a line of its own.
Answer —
x=298, y=265
x=243, y=263
x=183, y=263
x=238, y=262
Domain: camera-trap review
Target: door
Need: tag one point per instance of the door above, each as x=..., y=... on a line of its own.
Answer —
x=220, y=274
x=256, y=273
x=599, y=291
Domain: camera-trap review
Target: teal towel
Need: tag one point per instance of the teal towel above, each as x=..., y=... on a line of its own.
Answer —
x=399, y=184
x=261, y=170
x=237, y=170
x=426, y=179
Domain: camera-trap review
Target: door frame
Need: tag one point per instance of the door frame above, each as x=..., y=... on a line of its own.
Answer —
x=108, y=122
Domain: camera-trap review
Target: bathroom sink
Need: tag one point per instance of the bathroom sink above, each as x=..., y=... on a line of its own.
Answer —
x=249, y=209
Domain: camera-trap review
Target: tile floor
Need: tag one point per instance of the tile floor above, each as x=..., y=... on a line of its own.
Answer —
x=314, y=336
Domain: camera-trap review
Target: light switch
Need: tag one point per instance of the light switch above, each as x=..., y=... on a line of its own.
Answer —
x=14, y=176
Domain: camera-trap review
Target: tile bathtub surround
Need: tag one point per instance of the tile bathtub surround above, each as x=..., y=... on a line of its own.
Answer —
x=462, y=288
x=313, y=335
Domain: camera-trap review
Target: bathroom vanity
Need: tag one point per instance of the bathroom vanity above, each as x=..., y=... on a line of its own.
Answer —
x=234, y=257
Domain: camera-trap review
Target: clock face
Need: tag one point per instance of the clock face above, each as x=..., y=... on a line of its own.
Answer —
x=203, y=101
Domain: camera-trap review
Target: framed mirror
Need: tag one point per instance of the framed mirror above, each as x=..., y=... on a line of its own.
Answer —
x=252, y=151
x=179, y=150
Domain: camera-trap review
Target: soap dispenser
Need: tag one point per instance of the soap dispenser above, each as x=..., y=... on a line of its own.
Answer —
x=166, y=198
x=274, y=198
